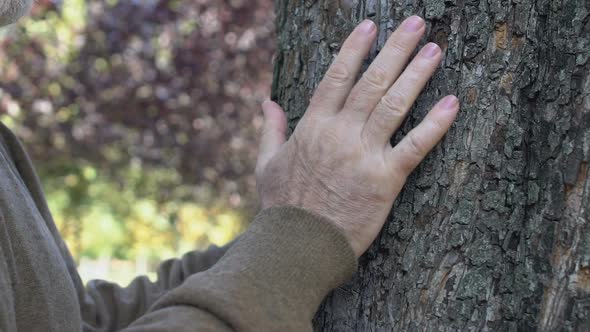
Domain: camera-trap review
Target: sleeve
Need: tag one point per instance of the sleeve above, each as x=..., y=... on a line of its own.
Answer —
x=107, y=306
x=272, y=279
x=104, y=306
x=7, y=313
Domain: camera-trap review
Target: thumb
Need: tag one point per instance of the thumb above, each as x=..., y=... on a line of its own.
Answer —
x=273, y=133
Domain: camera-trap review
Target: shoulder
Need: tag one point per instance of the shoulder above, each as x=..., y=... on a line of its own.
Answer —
x=10, y=145
x=7, y=141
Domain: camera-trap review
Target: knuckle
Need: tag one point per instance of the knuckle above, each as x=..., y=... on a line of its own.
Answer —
x=417, y=73
x=357, y=97
x=338, y=74
x=417, y=146
x=437, y=126
x=397, y=46
x=377, y=77
x=395, y=104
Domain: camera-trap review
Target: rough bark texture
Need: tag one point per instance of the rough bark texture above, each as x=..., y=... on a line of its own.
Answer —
x=491, y=231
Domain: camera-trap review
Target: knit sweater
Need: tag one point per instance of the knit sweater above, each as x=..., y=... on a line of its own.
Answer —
x=272, y=278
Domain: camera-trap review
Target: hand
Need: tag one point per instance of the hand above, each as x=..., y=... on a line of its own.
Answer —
x=339, y=162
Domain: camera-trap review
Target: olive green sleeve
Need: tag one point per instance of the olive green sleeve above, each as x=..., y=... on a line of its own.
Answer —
x=111, y=307
x=272, y=279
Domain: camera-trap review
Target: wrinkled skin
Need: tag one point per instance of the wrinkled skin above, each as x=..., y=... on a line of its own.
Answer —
x=339, y=162
x=12, y=10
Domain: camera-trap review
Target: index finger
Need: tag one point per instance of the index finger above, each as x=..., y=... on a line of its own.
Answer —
x=332, y=91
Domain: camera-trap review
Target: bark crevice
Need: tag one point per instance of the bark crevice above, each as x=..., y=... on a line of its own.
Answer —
x=491, y=232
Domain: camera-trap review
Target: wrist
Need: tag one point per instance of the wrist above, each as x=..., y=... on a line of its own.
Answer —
x=338, y=220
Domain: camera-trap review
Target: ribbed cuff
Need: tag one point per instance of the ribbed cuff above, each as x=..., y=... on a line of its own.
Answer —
x=305, y=255
x=275, y=276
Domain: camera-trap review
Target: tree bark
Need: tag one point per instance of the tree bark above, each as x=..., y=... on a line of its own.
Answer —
x=491, y=232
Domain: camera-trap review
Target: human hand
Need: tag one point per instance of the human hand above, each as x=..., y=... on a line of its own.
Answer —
x=339, y=162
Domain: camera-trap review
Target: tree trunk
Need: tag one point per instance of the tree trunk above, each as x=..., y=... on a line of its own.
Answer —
x=491, y=232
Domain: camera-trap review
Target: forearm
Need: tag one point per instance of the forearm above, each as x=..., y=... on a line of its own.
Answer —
x=273, y=278
x=112, y=307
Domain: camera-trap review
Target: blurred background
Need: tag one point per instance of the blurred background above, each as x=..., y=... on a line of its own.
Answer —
x=142, y=120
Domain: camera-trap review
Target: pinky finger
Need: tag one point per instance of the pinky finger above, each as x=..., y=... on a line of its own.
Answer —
x=406, y=155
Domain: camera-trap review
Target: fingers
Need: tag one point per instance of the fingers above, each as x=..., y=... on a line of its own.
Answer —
x=395, y=104
x=332, y=91
x=385, y=69
x=273, y=133
x=415, y=146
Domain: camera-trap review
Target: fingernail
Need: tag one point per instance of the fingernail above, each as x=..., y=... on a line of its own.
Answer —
x=450, y=102
x=367, y=26
x=413, y=24
x=431, y=50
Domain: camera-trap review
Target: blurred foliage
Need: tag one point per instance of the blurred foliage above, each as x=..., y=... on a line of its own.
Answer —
x=141, y=117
